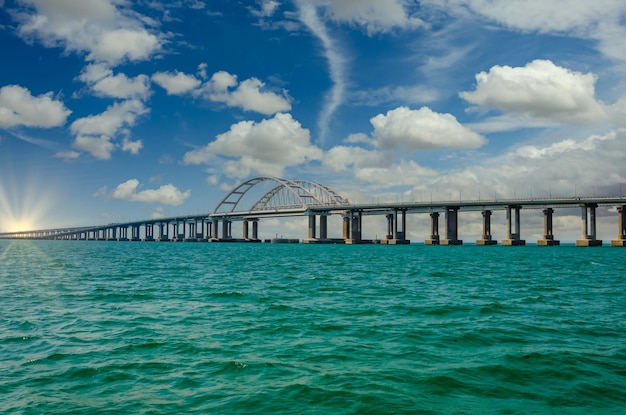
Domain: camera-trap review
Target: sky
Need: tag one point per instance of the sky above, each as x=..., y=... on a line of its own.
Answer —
x=120, y=110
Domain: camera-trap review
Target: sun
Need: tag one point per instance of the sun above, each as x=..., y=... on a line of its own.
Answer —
x=24, y=210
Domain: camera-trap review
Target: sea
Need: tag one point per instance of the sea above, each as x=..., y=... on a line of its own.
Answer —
x=96, y=327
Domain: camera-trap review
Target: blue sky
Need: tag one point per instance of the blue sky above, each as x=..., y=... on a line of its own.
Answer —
x=114, y=110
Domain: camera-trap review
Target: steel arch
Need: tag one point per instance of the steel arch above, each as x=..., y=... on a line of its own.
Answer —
x=286, y=194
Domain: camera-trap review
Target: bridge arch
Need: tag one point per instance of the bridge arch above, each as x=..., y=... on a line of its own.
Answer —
x=286, y=194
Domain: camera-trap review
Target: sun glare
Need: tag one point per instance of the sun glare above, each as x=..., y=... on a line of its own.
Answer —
x=23, y=210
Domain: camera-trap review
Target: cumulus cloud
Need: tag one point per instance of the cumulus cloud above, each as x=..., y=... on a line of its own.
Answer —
x=587, y=164
x=539, y=90
x=247, y=95
x=98, y=28
x=102, y=81
x=95, y=133
x=267, y=147
x=422, y=129
x=167, y=194
x=176, y=83
x=374, y=166
x=18, y=108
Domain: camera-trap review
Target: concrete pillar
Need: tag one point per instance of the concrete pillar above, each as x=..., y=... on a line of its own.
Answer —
x=513, y=236
x=548, y=235
x=434, y=229
x=149, y=232
x=353, y=227
x=389, y=217
x=452, y=226
x=255, y=229
x=621, y=227
x=324, y=226
x=487, y=238
x=245, y=229
x=225, y=229
x=588, y=222
x=346, y=227
x=398, y=228
x=312, y=223
x=192, y=232
x=163, y=232
x=215, y=225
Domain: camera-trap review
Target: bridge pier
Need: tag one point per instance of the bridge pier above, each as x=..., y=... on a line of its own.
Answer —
x=513, y=238
x=149, y=230
x=621, y=227
x=452, y=226
x=123, y=234
x=192, y=234
x=487, y=239
x=434, y=229
x=588, y=221
x=397, y=219
x=352, y=227
x=548, y=235
x=163, y=232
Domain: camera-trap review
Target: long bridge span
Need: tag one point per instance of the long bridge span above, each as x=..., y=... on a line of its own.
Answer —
x=316, y=201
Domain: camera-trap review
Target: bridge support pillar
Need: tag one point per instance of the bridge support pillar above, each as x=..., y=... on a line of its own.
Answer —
x=163, y=232
x=191, y=232
x=513, y=238
x=200, y=231
x=621, y=227
x=123, y=234
x=324, y=226
x=452, y=226
x=255, y=230
x=354, y=227
x=135, y=229
x=398, y=228
x=588, y=221
x=434, y=229
x=149, y=237
x=227, y=229
x=548, y=235
x=487, y=239
x=389, y=234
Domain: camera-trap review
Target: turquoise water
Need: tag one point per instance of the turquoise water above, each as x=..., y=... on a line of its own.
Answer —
x=149, y=328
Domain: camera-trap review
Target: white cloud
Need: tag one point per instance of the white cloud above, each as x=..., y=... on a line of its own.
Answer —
x=402, y=94
x=94, y=134
x=18, y=108
x=267, y=9
x=406, y=173
x=167, y=194
x=553, y=169
x=103, y=83
x=336, y=63
x=132, y=147
x=176, y=83
x=267, y=147
x=601, y=21
x=539, y=90
x=67, y=155
x=421, y=130
x=340, y=158
x=375, y=16
x=105, y=32
x=247, y=95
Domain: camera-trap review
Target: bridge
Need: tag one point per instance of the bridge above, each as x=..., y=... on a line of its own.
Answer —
x=317, y=202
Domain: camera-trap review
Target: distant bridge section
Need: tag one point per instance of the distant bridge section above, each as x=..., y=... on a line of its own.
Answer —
x=261, y=197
